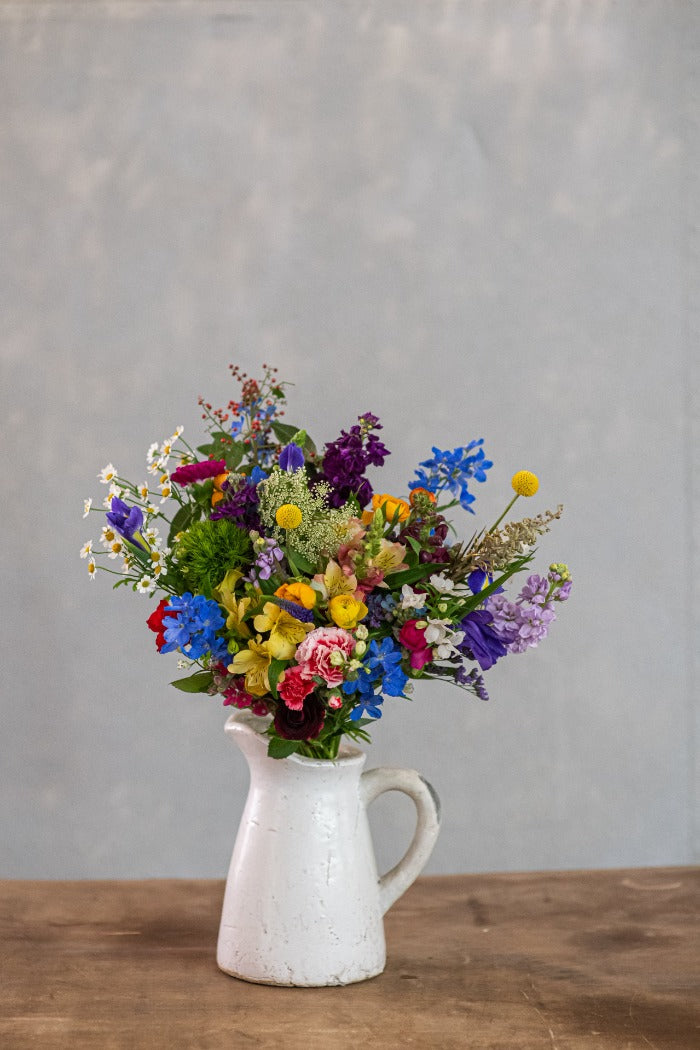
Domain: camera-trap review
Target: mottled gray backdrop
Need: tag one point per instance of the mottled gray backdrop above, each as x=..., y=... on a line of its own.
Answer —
x=473, y=219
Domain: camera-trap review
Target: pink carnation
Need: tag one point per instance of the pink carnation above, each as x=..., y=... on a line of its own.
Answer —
x=190, y=472
x=295, y=687
x=314, y=653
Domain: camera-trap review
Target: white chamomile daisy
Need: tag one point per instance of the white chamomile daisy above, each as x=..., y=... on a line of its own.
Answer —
x=86, y=549
x=107, y=536
x=152, y=536
x=165, y=492
x=92, y=568
x=157, y=562
x=86, y=507
x=107, y=475
x=143, y=490
x=152, y=453
x=178, y=433
x=146, y=585
x=116, y=548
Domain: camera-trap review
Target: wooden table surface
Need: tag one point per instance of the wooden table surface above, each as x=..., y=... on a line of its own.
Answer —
x=606, y=960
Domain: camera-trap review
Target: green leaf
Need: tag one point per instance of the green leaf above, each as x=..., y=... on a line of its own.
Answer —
x=284, y=432
x=196, y=683
x=412, y=575
x=279, y=748
x=275, y=670
x=302, y=564
x=182, y=521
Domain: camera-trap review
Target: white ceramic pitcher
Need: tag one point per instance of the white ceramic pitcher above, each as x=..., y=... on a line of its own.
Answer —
x=303, y=902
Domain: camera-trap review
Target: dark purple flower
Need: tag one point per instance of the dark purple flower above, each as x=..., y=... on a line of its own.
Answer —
x=481, y=643
x=473, y=680
x=126, y=521
x=301, y=725
x=191, y=472
x=291, y=458
x=299, y=612
x=240, y=504
x=346, y=459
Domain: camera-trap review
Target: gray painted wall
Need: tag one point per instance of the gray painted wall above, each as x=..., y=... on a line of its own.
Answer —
x=474, y=219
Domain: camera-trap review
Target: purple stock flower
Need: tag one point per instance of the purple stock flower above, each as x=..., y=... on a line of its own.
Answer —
x=266, y=562
x=126, y=520
x=240, y=504
x=346, y=459
x=291, y=458
x=520, y=626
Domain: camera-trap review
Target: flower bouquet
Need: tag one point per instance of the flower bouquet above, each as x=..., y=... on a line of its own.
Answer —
x=293, y=589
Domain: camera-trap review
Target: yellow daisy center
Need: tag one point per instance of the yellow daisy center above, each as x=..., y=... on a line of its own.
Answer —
x=288, y=516
x=525, y=483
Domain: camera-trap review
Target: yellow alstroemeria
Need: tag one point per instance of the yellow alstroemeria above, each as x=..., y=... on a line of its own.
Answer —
x=237, y=608
x=224, y=592
x=390, y=557
x=285, y=630
x=301, y=593
x=334, y=581
x=254, y=663
x=346, y=611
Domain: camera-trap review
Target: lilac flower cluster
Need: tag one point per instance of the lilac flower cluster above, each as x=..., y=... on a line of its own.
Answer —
x=524, y=623
x=346, y=459
x=190, y=625
x=266, y=560
x=451, y=471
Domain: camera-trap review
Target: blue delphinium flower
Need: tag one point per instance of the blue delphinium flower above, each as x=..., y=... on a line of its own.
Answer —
x=451, y=471
x=190, y=625
x=381, y=672
x=291, y=458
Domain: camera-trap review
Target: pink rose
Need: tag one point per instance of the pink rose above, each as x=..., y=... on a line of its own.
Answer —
x=295, y=687
x=315, y=651
x=412, y=638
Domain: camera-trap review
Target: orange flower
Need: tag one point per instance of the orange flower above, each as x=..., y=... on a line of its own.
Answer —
x=217, y=494
x=394, y=509
x=300, y=593
x=422, y=492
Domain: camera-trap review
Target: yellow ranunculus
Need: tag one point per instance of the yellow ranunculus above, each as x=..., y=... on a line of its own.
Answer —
x=300, y=593
x=346, y=611
x=393, y=508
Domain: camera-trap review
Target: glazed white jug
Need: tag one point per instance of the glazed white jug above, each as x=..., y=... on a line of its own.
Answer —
x=303, y=902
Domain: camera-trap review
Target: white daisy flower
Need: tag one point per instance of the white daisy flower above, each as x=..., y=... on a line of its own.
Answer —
x=107, y=475
x=178, y=433
x=165, y=492
x=86, y=549
x=146, y=585
x=92, y=568
x=152, y=453
x=108, y=535
x=116, y=548
x=143, y=490
x=152, y=536
x=86, y=507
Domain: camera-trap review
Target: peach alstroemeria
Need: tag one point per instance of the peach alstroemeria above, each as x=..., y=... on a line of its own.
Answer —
x=285, y=630
x=253, y=662
x=346, y=611
x=390, y=557
x=334, y=581
x=300, y=593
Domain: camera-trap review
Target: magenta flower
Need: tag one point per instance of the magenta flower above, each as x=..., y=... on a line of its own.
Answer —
x=192, y=472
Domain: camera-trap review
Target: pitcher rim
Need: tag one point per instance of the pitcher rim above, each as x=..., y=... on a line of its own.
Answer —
x=245, y=720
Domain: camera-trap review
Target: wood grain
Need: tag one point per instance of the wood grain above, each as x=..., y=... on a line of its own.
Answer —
x=606, y=960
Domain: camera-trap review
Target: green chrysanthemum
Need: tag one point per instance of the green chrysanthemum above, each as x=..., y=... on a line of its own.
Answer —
x=207, y=551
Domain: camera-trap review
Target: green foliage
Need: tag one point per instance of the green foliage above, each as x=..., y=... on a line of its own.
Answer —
x=279, y=748
x=208, y=550
x=196, y=683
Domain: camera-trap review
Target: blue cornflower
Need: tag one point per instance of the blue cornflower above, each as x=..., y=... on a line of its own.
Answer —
x=192, y=625
x=380, y=672
x=451, y=471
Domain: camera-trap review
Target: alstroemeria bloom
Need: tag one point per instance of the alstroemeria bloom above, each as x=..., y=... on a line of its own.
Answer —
x=317, y=653
x=334, y=581
x=390, y=558
x=346, y=611
x=254, y=663
x=412, y=637
x=285, y=630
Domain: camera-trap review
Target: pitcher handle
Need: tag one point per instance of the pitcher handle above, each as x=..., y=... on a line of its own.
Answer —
x=375, y=782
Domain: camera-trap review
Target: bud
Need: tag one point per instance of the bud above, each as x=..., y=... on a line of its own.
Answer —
x=337, y=659
x=360, y=648
x=355, y=665
x=361, y=632
x=442, y=607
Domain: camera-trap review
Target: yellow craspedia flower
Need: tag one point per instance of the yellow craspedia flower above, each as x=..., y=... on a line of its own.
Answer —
x=525, y=483
x=288, y=516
